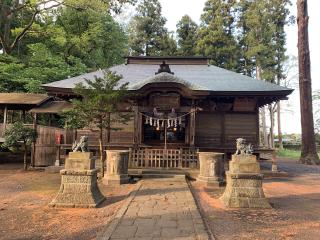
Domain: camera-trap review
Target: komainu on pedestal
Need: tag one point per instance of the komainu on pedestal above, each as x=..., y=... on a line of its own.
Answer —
x=244, y=180
x=79, y=187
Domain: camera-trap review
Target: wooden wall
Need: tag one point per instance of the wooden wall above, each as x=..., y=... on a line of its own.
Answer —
x=45, y=147
x=208, y=129
x=219, y=129
x=241, y=125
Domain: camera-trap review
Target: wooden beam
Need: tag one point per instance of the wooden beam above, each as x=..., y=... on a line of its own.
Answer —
x=223, y=129
x=34, y=144
x=136, y=138
x=5, y=115
x=192, y=126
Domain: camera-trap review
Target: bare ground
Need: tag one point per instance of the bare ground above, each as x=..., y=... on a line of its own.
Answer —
x=295, y=214
x=24, y=211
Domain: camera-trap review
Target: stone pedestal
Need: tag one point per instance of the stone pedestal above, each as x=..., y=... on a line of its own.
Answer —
x=79, y=186
x=211, y=168
x=117, y=167
x=244, y=184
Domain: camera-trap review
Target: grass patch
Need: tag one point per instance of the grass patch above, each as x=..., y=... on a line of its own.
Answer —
x=287, y=153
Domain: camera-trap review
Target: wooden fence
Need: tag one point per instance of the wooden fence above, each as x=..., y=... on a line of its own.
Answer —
x=163, y=158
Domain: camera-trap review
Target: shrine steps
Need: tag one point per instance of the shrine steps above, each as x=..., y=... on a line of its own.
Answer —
x=158, y=173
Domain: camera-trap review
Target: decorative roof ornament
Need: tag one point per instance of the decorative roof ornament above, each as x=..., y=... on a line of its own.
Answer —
x=164, y=68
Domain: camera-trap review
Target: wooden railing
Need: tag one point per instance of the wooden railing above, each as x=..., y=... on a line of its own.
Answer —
x=163, y=158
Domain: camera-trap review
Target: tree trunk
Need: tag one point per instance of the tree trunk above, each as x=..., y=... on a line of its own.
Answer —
x=279, y=125
x=308, y=145
x=101, y=151
x=263, y=113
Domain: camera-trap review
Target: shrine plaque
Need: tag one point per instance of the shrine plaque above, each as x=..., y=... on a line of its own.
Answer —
x=165, y=100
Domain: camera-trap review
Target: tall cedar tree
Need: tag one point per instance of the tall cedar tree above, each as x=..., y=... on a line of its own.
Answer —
x=261, y=27
x=98, y=106
x=147, y=33
x=187, y=31
x=216, y=34
x=308, y=149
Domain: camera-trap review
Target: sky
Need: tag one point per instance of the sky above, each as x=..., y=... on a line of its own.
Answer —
x=173, y=10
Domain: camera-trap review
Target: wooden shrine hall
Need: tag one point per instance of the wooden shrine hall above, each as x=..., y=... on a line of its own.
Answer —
x=181, y=105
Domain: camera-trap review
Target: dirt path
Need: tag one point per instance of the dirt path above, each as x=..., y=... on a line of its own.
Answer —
x=24, y=213
x=295, y=213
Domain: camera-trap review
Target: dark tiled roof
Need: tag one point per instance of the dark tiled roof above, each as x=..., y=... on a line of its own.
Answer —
x=196, y=77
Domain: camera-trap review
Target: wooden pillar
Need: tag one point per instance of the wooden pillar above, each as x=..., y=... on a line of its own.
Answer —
x=223, y=129
x=192, y=132
x=34, y=144
x=5, y=118
x=137, y=126
x=257, y=127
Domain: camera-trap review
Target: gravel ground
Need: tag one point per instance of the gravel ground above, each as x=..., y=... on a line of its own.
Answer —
x=295, y=214
x=24, y=211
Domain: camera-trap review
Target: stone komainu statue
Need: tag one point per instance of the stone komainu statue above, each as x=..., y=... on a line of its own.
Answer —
x=242, y=147
x=81, y=146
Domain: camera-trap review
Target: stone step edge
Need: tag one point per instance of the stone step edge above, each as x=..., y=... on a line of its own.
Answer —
x=201, y=212
x=180, y=176
x=111, y=226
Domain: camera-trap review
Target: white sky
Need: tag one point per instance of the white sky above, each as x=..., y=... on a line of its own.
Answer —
x=173, y=10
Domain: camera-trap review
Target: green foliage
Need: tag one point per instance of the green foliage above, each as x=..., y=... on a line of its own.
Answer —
x=71, y=119
x=18, y=133
x=147, y=33
x=287, y=153
x=98, y=104
x=40, y=66
x=262, y=37
x=187, y=36
x=94, y=37
x=64, y=43
x=217, y=34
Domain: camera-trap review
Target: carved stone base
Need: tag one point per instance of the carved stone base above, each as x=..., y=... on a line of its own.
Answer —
x=244, y=190
x=211, y=168
x=244, y=184
x=117, y=167
x=78, y=188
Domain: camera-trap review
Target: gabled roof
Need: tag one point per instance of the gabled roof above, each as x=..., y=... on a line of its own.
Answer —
x=52, y=107
x=196, y=77
x=23, y=98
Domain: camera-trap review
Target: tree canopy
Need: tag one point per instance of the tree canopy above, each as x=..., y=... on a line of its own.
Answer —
x=187, y=31
x=147, y=32
x=66, y=42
